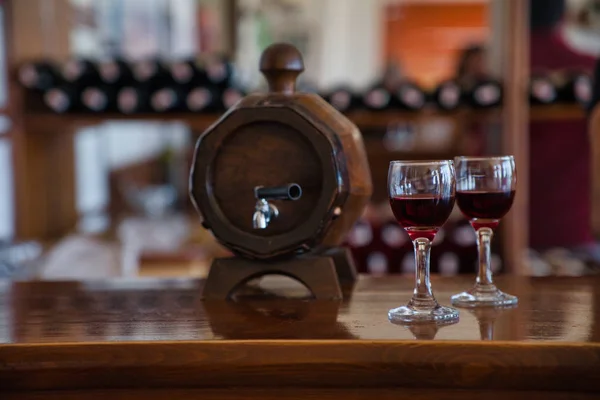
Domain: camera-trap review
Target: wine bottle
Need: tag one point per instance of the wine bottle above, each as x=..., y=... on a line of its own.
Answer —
x=439, y=246
x=377, y=264
x=134, y=99
x=219, y=72
x=464, y=245
x=39, y=75
x=447, y=96
x=409, y=96
x=448, y=264
x=230, y=96
x=203, y=98
x=377, y=99
x=395, y=244
x=343, y=99
x=362, y=242
x=169, y=98
x=484, y=93
x=542, y=90
x=80, y=72
x=99, y=99
x=115, y=72
x=574, y=87
x=151, y=72
x=187, y=72
x=63, y=99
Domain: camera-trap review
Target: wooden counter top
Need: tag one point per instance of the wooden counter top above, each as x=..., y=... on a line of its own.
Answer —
x=131, y=335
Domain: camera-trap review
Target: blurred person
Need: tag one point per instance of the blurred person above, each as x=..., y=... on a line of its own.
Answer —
x=470, y=68
x=392, y=76
x=583, y=33
x=560, y=179
x=472, y=65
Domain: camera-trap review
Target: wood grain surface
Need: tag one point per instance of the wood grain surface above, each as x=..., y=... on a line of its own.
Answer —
x=362, y=118
x=158, y=334
x=296, y=394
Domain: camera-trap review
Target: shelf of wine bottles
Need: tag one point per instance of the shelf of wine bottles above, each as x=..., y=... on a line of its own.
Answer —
x=208, y=87
x=553, y=88
x=117, y=86
x=380, y=246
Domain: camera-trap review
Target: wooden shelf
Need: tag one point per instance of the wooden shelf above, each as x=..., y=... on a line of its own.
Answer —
x=377, y=120
x=557, y=112
x=196, y=122
x=367, y=119
x=363, y=119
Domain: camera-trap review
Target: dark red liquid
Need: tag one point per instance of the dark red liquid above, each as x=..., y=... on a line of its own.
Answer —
x=485, y=208
x=421, y=216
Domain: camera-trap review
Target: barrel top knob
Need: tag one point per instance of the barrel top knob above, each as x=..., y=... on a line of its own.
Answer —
x=281, y=63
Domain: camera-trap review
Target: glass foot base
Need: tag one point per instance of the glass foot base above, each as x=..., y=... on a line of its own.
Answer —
x=484, y=297
x=407, y=315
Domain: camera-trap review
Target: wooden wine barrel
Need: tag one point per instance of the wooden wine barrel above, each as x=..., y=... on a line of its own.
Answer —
x=275, y=139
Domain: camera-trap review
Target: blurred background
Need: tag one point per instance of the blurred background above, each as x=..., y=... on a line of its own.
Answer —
x=101, y=102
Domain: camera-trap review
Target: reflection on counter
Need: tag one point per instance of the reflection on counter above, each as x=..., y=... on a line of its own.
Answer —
x=550, y=309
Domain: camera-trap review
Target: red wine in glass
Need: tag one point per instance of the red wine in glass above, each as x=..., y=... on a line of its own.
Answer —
x=485, y=208
x=485, y=190
x=422, y=195
x=421, y=215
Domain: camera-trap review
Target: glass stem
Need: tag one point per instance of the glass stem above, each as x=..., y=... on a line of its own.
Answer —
x=484, y=241
x=422, y=295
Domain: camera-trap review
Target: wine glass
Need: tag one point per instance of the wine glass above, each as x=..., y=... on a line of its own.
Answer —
x=422, y=197
x=485, y=189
